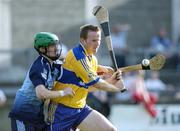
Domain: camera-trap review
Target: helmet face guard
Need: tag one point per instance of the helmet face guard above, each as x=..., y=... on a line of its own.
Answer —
x=57, y=51
x=50, y=44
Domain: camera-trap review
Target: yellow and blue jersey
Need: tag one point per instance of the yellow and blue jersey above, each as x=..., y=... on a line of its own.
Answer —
x=79, y=73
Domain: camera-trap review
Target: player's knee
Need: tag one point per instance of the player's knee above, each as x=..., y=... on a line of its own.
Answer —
x=114, y=129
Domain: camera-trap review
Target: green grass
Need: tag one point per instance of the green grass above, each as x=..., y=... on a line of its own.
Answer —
x=4, y=120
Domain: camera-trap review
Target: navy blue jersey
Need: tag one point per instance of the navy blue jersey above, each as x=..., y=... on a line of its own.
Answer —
x=27, y=107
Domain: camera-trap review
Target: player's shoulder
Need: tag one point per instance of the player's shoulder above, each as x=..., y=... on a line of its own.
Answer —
x=39, y=63
x=78, y=52
x=69, y=56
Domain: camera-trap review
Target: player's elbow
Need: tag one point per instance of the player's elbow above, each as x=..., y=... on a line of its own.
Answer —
x=40, y=92
x=40, y=96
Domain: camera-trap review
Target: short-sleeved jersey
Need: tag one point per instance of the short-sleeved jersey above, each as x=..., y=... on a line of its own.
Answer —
x=27, y=107
x=79, y=73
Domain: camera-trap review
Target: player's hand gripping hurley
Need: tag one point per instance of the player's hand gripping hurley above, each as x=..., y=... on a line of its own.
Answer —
x=102, y=15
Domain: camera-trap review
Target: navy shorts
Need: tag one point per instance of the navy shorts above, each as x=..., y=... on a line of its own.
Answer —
x=17, y=125
x=66, y=118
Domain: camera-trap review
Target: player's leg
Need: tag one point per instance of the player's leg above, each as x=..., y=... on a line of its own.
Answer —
x=96, y=122
x=137, y=97
x=150, y=109
x=153, y=98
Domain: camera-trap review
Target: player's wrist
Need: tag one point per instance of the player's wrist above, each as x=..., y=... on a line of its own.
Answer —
x=61, y=93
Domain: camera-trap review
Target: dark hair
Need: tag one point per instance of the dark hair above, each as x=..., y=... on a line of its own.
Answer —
x=86, y=28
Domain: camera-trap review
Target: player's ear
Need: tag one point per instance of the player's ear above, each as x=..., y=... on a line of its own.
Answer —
x=42, y=50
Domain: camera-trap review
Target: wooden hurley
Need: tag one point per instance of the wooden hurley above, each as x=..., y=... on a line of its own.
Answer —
x=156, y=63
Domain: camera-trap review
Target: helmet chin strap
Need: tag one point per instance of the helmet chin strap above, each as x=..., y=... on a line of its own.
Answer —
x=54, y=58
x=50, y=58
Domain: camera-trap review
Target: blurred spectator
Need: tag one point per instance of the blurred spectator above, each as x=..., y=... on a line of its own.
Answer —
x=141, y=94
x=138, y=93
x=153, y=83
x=2, y=98
x=156, y=85
x=119, y=41
x=178, y=55
x=177, y=95
x=160, y=42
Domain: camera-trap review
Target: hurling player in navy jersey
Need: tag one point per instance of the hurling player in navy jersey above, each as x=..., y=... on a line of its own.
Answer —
x=27, y=111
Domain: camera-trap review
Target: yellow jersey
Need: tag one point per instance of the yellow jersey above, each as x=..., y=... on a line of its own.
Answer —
x=79, y=73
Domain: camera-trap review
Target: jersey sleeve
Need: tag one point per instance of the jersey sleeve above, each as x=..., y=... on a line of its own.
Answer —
x=37, y=74
x=83, y=70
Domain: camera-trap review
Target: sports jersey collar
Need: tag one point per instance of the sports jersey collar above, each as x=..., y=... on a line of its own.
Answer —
x=51, y=63
x=84, y=50
x=46, y=59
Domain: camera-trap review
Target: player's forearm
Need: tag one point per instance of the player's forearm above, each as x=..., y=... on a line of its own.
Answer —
x=43, y=93
x=103, y=85
x=105, y=69
x=92, y=89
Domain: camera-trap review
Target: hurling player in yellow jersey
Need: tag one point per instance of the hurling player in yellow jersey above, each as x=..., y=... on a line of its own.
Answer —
x=80, y=73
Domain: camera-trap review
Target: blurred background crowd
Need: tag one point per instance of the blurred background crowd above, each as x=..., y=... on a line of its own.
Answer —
x=140, y=29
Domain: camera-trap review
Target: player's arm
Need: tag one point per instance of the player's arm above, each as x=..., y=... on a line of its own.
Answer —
x=90, y=78
x=105, y=86
x=102, y=75
x=111, y=84
x=104, y=70
x=92, y=89
x=38, y=79
x=43, y=93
